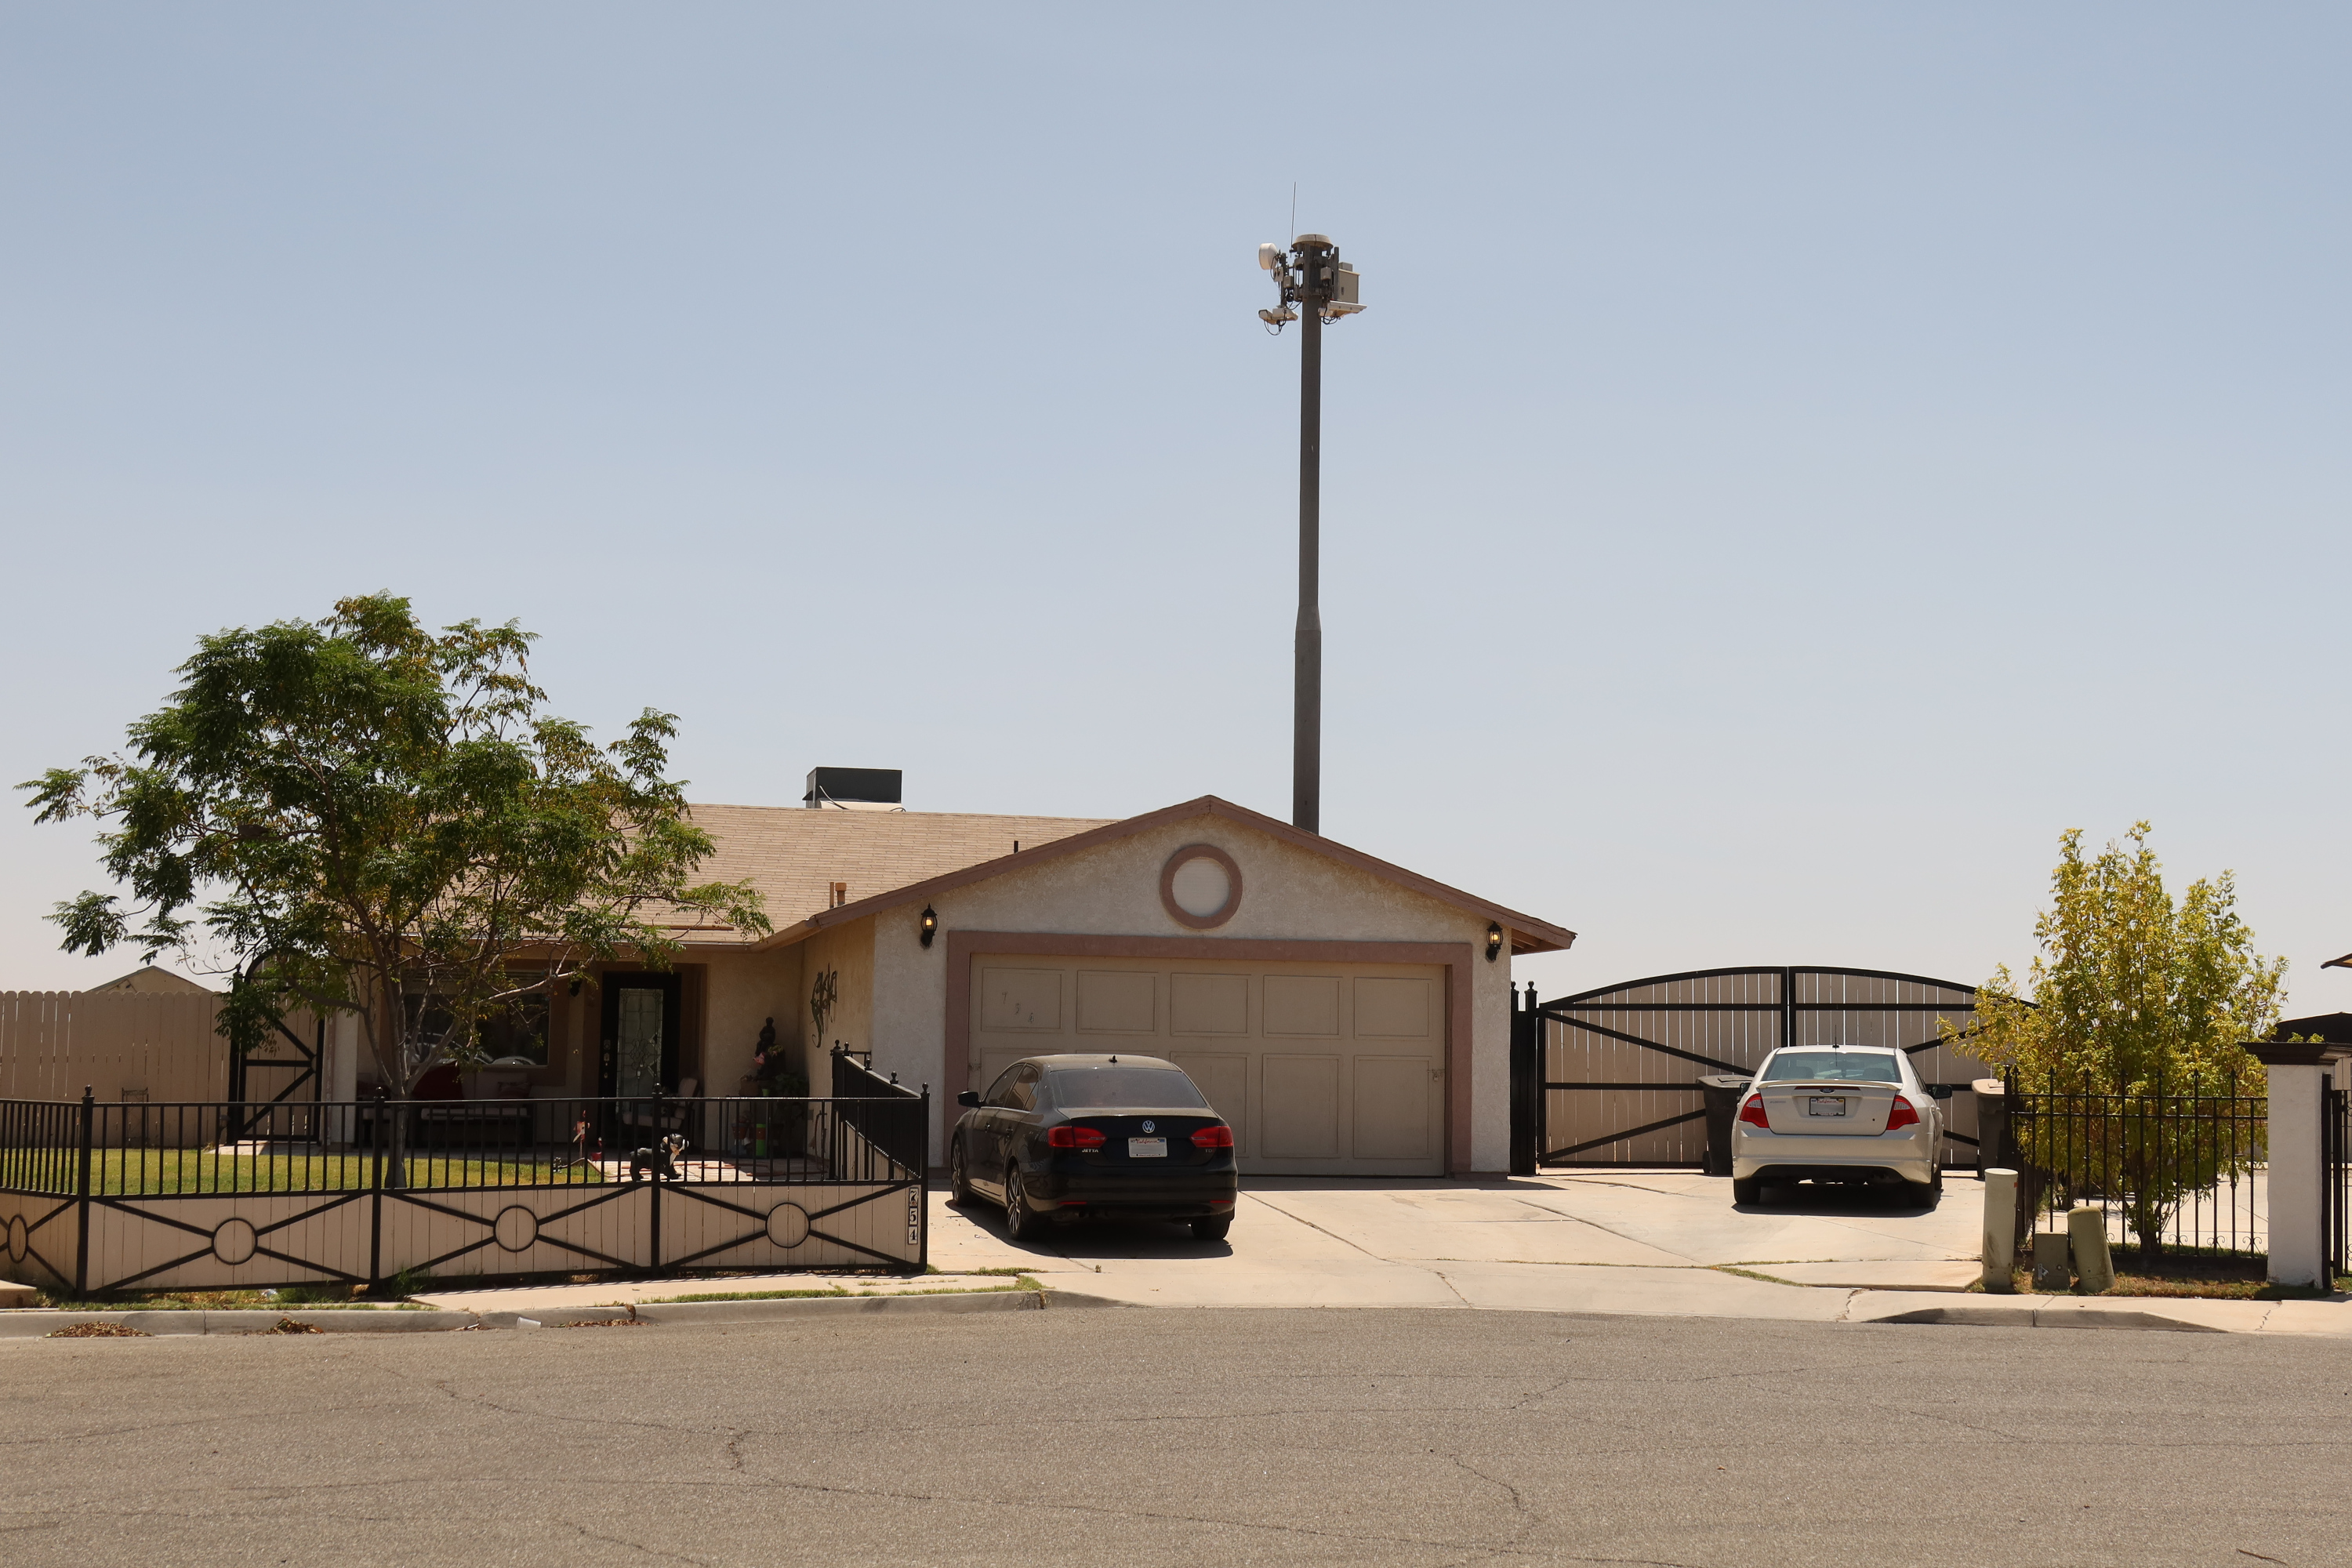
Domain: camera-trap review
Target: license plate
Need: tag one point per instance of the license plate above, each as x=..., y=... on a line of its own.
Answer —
x=1825, y=1105
x=1147, y=1148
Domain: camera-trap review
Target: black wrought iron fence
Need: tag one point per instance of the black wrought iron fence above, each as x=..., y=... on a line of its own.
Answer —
x=454, y=1145
x=202, y=1194
x=892, y=1117
x=2178, y=1169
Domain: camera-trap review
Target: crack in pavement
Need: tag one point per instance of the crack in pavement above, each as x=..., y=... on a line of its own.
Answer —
x=1438, y=1274
x=1607, y=1230
x=637, y=1545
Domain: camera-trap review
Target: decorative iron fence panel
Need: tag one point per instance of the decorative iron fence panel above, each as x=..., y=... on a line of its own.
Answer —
x=886, y=1114
x=2179, y=1170
x=198, y=1196
x=1622, y=1063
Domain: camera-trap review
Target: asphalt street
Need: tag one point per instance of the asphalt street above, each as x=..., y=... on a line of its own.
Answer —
x=1128, y=1439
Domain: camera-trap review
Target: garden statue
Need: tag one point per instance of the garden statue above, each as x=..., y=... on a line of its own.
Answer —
x=772, y=1066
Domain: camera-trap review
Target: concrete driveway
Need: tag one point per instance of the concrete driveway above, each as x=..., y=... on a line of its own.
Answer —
x=1614, y=1241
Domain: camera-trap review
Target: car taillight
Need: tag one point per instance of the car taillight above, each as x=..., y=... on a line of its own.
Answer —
x=1072, y=1136
x=1752, y=1112
x=1218, y=1137
x=1900, y=1114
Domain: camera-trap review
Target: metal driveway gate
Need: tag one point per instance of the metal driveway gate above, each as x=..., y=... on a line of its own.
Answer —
x=1621, y=1064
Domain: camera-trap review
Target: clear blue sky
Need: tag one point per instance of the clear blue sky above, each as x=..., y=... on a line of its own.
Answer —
x=1798, y=458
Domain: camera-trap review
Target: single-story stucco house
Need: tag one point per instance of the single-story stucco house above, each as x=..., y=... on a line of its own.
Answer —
x=1349, y=1016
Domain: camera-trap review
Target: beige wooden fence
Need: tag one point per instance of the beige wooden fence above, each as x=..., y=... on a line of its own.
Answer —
x=53, y=1043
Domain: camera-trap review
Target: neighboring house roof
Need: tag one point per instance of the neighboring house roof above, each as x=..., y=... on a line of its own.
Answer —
x=149, y=978
x=2336, y=1028
x=794, y=855
x=2343, y=963
x=1054, y=838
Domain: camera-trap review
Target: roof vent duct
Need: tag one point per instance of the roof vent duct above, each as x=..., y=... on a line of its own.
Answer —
x=853, y=789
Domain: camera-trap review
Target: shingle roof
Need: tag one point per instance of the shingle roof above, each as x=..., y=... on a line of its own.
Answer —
x=794, y=855
x=1058, y=835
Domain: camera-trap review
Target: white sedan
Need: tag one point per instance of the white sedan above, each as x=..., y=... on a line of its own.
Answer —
x=1837, y=1113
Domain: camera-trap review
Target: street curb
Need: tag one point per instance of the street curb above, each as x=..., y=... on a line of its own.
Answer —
x=758, y=1311
x=1080, y=1299
x=38, y=1322
x=2035, y=1318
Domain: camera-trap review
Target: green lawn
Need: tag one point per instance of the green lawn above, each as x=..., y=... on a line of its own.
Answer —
x=141, y=1173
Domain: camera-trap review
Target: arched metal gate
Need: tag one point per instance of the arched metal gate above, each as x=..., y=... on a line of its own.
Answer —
x=1621, y=1064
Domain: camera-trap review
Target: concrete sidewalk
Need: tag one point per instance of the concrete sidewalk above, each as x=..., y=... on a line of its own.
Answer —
x=1646, y=1243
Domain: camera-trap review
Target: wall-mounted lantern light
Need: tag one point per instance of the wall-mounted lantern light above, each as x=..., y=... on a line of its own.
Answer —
x=1493, y=941
x=929, y=925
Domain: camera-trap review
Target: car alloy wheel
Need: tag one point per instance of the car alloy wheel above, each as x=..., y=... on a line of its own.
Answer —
x=1021, y=1222
x=959, y=1178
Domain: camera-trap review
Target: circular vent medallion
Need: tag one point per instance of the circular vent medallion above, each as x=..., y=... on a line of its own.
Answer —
x=1201, y=886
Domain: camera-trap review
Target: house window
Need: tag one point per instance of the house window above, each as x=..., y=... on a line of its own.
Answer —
x=515, y=1032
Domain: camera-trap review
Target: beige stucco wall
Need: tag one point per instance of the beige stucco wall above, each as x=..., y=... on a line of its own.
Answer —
x=742, y=990
x=848, y=951
x=1114, y=890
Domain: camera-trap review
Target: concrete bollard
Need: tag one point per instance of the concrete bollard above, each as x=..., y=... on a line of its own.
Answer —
x=1999, y=1231
x=2086, y=1235
x=2050, y=1273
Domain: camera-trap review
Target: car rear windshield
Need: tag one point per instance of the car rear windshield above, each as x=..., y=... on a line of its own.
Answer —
x=1117, y=1084
x=1834, y=1066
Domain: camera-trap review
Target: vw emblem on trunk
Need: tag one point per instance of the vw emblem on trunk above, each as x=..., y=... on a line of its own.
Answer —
x=1147, y=1127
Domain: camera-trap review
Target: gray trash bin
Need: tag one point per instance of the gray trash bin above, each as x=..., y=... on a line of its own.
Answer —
x=1722, y=1093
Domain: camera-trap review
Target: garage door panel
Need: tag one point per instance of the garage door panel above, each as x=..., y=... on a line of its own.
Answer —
x=1021, y=998
x=1302, y=1004
x=1118, y=1002
x=1208, y=1003
x=1223, y=1076
x=1397, y=1009
x=1298, y=1107
x=1322, y=1070
x=1394, y=1101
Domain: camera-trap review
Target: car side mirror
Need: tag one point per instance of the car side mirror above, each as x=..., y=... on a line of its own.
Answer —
x=968, y=1097
x=1939, y=1091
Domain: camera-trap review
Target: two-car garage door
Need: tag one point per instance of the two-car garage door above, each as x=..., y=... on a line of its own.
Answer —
x=1323, y=1069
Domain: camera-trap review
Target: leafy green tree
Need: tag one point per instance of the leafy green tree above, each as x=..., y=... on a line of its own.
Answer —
x=2138, y=1001
x=377, y=820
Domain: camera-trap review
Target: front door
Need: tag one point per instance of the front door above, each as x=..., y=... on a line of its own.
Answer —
x=641, y=1028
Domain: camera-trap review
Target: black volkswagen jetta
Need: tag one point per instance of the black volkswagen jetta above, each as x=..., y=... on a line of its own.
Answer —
x=1063, y=1137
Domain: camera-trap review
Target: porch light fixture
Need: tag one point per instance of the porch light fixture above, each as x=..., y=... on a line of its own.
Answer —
x=929, y=925
x=1493, y=941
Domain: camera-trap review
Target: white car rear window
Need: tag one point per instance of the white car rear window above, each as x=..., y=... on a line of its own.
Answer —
x=1833, y=1067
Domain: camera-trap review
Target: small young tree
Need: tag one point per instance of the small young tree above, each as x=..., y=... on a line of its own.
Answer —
x=2135, y=998
x=370, y=817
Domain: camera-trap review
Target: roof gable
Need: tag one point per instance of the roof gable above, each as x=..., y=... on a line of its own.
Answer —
x=1525, y=932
